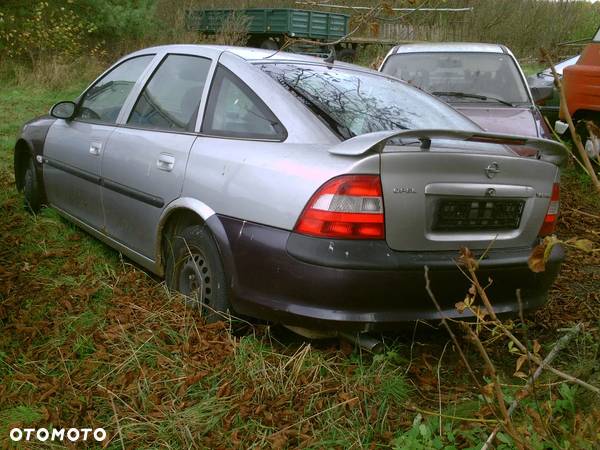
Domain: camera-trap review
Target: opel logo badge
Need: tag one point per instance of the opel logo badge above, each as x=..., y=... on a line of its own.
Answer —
x=490, y=192
x=492, y=170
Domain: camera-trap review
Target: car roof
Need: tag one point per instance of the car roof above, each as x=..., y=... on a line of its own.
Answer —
x=252, y=55
x=247, y=53
x=466, y=47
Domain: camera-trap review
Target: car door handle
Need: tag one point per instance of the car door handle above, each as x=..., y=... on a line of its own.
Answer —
x=95, y=148
x=165, y=162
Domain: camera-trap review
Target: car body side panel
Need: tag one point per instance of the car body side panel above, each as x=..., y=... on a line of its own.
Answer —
x=264, y=182
x=135, y=190
x=72, y=164
x=34, y=135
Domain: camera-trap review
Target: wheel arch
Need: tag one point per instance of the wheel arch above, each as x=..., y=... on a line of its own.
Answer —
x=185, y=212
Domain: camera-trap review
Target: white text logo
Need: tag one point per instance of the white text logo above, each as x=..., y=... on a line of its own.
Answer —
x=57, y=434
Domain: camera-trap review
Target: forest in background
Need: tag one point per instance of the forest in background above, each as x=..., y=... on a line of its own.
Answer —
x=34, y=34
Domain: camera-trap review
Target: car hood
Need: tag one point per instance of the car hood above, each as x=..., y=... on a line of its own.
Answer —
x=502, y=120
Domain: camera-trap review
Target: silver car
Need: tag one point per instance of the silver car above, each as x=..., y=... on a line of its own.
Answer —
x=291, y=189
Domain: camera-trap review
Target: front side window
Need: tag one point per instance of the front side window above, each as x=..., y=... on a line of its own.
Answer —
x=171, y=99
x=354, y=102
x=233, y=110
x=450, y=74
x=103, y=101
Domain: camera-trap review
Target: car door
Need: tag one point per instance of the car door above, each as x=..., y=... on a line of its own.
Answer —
x=233, y=159
x=145, y=159
x=73, y=148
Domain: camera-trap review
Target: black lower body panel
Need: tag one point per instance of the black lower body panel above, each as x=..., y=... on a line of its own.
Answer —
x=364, y=285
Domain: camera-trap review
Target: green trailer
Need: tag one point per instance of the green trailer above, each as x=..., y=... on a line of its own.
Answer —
x=268, y=27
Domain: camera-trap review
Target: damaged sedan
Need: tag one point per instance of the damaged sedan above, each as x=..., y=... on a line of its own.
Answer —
x=282, y=187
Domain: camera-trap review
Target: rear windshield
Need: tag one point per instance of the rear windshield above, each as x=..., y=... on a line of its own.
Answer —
x=492, y=75
x=353, y=102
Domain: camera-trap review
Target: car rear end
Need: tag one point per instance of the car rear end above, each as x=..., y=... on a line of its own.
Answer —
x=356, y=257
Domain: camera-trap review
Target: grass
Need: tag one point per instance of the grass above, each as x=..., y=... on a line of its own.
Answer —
x=88, y=339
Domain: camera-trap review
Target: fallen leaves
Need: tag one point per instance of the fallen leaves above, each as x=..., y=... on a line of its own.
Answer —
x=541, y=254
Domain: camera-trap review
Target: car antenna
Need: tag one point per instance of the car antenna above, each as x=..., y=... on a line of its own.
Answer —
x=330, y=59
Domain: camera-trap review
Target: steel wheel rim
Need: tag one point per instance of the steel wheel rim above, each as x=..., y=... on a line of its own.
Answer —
x=195, y=278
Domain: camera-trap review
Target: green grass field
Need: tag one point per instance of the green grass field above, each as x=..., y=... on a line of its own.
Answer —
x=89, y=340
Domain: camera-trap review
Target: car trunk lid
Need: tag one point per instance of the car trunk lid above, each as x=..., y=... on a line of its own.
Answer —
x=469, y=189
x=444, y=200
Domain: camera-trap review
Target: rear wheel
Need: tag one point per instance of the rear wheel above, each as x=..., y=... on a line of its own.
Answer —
x=33, y=195
x=269, y=44
x=194, y=268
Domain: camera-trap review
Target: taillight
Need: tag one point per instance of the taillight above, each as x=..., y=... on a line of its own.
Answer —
x=551, y=218
x=346, y=207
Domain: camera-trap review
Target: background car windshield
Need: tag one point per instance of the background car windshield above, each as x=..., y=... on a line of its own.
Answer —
x=487, y=74
x=362, y=102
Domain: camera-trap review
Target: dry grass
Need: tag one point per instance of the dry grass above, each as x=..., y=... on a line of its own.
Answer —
x=52, y=73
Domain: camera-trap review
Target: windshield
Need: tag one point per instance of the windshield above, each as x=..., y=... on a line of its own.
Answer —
x=492, y=75
x=355, y=102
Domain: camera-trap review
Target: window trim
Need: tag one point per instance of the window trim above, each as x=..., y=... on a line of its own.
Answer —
x=191, y=126
x=282, y=133
x=100, y=78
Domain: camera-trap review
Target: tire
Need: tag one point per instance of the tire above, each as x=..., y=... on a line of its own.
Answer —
x=32, y=191
x=194, y=268
x=346, y=55
x=269, y=44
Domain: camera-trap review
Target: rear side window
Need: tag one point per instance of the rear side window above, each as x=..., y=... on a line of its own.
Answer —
x=104, y=100
x=171, y=99
x=354, y=102
x=233, y=110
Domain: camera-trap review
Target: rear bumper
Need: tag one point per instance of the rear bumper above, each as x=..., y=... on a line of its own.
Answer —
x=364, y=285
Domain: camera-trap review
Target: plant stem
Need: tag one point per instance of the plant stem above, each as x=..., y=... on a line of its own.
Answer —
x=560, y=344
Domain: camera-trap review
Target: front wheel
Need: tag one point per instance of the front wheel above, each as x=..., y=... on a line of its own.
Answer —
x=32, y=191
x=194, y=268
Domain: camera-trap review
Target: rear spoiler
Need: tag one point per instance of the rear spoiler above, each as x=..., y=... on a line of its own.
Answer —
x=550, y=151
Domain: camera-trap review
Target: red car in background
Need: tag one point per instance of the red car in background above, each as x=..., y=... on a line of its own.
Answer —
x=581, y=83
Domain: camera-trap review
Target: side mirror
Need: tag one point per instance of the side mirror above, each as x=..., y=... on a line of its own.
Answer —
x=63, y=110
x=542, y=93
